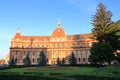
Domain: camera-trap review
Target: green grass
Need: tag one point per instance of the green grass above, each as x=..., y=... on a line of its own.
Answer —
x=66, y=70
x=110, y=71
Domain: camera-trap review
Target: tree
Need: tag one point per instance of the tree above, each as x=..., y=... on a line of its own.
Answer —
x=102, y=23
x=105, y=30
x=63, y=60
x=12, y=62
x=72, y=59
x=101, y=53
x=42, y=60
x=27, y=60
x=58, y=61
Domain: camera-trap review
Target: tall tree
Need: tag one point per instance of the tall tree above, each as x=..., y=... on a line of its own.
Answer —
x=27, y=61
x=72, y=59
x=105, y=30
x=101, y=22
x=42, y=60
x=101, y=53
x=12, y=62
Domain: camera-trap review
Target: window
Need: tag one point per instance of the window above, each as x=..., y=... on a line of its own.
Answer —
x=42, y=46
x=78, y=44
x=16, y=53
x=58, y=45
x=78, y=52
x=33, y=53
x=45, y=39
x=29, y=46
x=53, y=45
x=83, y=45
x=63, y=45
x=24, y=53
x=38, y=46
x=83, y=51
x=17, y=46
x=46, y=45
x=33, y=46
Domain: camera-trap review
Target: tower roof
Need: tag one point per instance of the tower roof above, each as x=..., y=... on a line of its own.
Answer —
x=59, y=23
x=18, y=31
x=17, y=35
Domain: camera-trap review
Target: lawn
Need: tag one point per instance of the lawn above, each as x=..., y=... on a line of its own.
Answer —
x=108, y=71
x=54, y=69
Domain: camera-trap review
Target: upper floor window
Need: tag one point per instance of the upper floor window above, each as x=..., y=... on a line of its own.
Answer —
x=53, y=45
x=58, y=45
x=16, y=53
x=63, y=45
x=17, y=46
x=42, y=46
x=33, y=53
x=78, y=44
x=38, y=46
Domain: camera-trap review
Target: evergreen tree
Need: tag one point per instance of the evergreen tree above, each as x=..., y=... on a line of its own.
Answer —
x=72, y=59
x=12, y=62
x=27, y=60
x=58, y=61
x=63, y=60
x=101, y=53
x=105, y=31
x=102, y=23
x=42, y=60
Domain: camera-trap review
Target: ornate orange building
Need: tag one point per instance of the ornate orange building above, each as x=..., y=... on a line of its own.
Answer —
x=58, y=45
x=2, y=62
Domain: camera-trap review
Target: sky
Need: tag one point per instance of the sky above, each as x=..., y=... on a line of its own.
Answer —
x=39, y=17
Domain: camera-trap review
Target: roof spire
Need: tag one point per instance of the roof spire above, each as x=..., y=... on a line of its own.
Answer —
x=18, y=31
x=59, y=23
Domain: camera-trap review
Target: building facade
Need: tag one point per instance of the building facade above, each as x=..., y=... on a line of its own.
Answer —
x=58, y=45
x=2, y=62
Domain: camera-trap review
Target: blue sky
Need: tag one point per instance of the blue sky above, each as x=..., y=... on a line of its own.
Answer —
x=39, y=17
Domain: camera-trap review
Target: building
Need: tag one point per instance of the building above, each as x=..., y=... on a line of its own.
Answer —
x=7, y=59
x=2, y=62
x=58, y=45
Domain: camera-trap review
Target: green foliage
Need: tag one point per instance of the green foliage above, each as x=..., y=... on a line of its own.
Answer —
x=27, y=61
x=72, y=59
x=63, y=60
x=58, y=61
x=101, y=53
x=42, y=60
x=12, y=62
x=105, y=31
x=101, y=22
